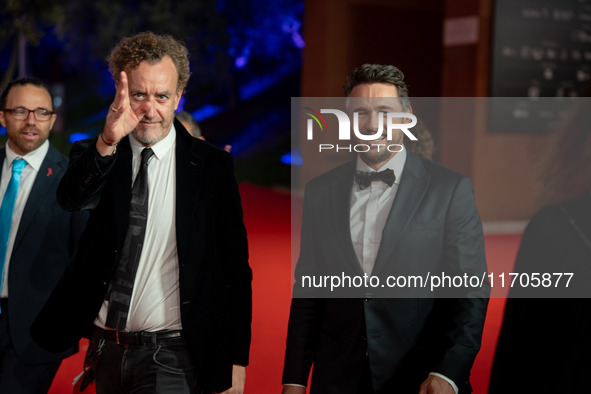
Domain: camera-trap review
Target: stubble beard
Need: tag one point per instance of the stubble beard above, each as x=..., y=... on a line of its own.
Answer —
x=376, y=157
x=26, y=146
x=152, y=135
x=383, y=155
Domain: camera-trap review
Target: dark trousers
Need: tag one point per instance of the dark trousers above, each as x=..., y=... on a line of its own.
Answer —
x=359, y=384
x=161, y=367
x=17, y=377
x=366, y=387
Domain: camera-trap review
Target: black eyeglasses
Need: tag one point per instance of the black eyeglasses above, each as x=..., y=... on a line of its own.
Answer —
x=22, y=113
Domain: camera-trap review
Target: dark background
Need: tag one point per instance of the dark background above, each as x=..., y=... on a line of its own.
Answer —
x=245, y=63
x=250, y=57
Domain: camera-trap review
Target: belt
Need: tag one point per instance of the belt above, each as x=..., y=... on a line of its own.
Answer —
x=131, y=338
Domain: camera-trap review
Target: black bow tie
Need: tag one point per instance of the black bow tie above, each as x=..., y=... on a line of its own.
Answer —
x=364, y=179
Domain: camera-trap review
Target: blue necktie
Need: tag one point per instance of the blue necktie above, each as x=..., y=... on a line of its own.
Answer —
x=6, y=211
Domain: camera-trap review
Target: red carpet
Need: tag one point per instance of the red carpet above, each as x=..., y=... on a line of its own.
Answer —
x=267, y=217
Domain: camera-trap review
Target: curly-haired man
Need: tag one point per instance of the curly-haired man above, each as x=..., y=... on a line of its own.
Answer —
x=161, y=281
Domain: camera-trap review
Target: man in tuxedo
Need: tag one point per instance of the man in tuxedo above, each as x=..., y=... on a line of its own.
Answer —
x=161, y=281
x=389, y=213
x=36, y=234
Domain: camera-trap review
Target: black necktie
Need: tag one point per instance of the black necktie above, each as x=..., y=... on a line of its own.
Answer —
x=364, y=179
x=119, y=294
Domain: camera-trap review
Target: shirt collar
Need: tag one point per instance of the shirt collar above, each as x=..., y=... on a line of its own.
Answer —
x=160, y=148
x=34, y=158
x=396, y=164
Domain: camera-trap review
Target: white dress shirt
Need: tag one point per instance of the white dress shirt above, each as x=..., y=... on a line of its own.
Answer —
x=155, y=301
x=34, y=160
x=370, y=208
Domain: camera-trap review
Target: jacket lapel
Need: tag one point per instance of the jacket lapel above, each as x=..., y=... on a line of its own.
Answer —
x=189, y=175
x=411, y=191
x=120, y=183
x=2, y=157
x=51, y=171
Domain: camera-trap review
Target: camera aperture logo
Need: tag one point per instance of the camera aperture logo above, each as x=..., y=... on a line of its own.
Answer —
x=365, y=139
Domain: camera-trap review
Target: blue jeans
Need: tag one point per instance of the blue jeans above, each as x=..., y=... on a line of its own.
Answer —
x=163, y=367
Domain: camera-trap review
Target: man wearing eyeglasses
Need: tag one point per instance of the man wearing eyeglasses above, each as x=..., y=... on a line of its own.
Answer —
x=36, y=234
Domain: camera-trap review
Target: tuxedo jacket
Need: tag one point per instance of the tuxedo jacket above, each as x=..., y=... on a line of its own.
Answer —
x=433, y=227
x=45, y=238
x=214, y=274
